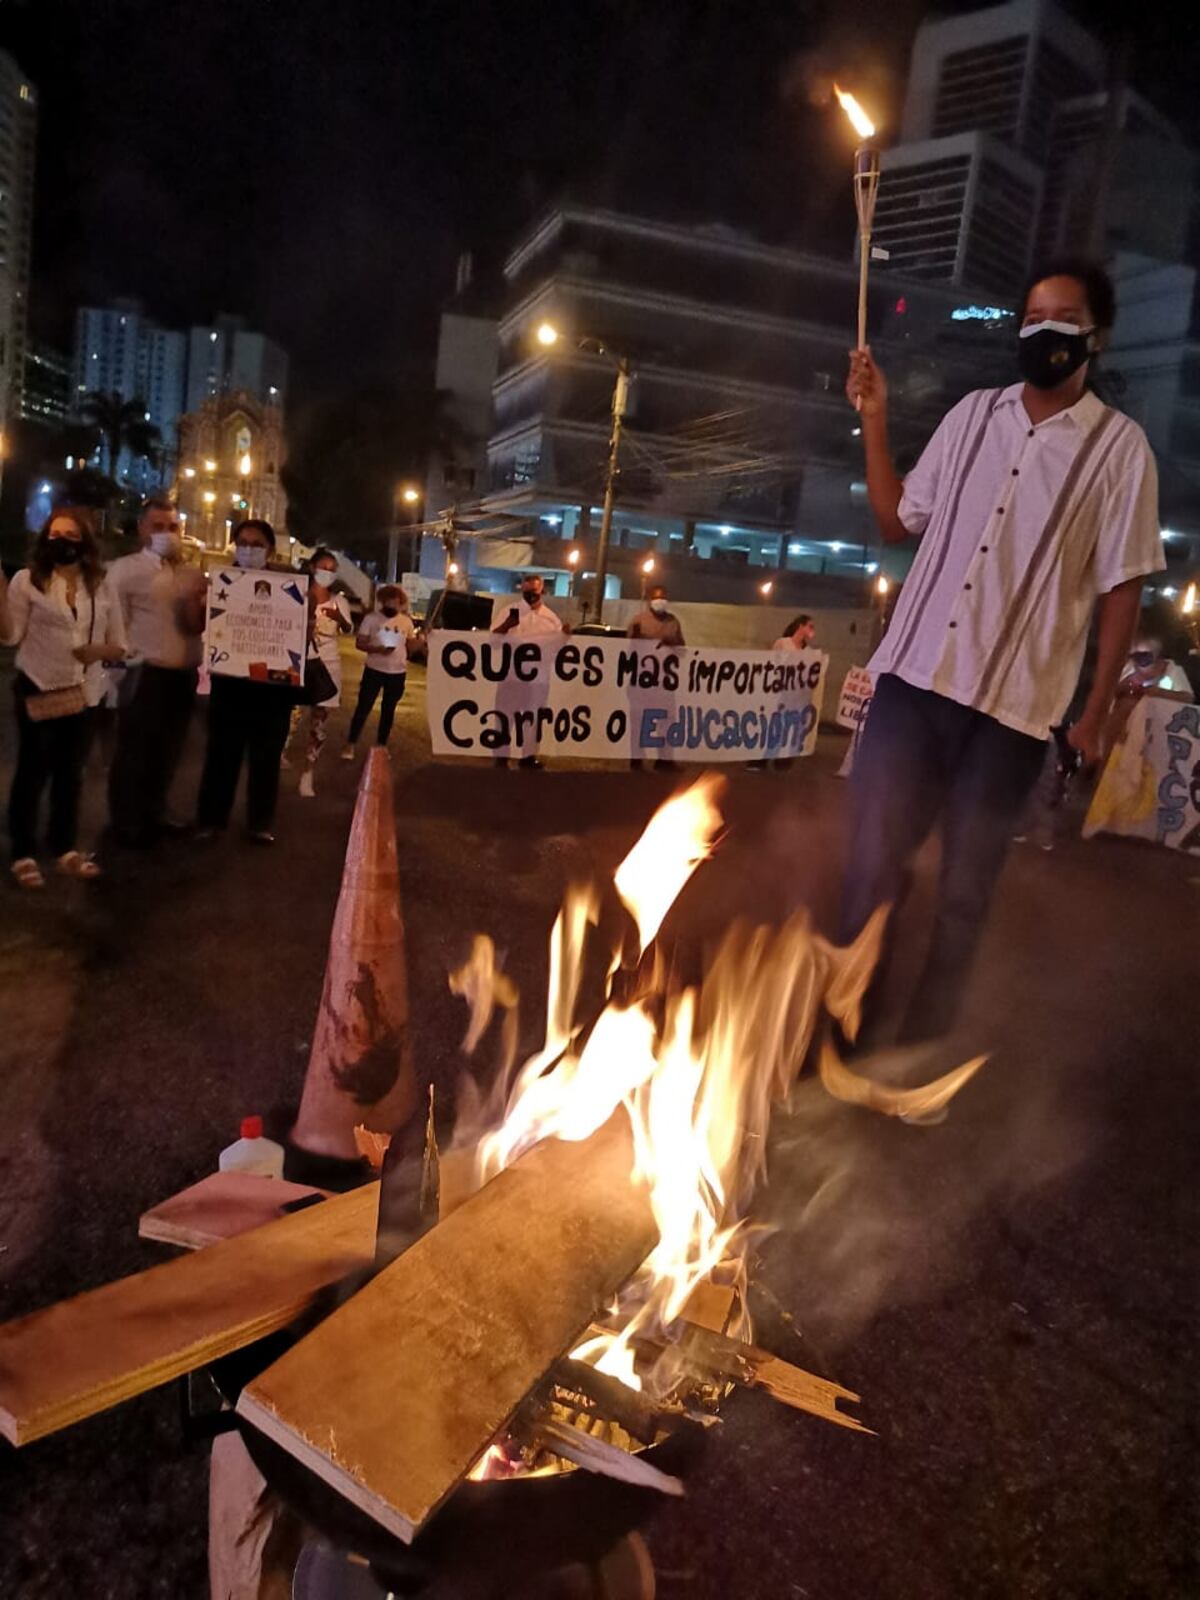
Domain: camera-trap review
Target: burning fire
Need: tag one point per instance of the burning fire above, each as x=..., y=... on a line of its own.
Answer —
x=859, y=120
x=697, y=1068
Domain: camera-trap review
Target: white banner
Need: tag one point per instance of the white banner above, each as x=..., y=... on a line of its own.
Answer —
x=257, y=625
x=619, y=698
x=1150, y=786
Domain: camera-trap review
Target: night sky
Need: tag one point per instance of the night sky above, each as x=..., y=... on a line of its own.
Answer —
x=318, y=164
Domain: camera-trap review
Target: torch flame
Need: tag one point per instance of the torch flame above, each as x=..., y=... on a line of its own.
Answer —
x=860, y=121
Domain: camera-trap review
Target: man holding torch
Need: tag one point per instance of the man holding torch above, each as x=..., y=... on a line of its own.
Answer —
x=1036, y=506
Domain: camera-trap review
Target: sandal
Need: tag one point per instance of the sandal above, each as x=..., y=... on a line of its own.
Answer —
x=28, y=874
x=76, y=865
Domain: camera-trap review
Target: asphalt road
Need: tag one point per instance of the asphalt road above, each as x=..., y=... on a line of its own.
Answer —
x=1013, y=1293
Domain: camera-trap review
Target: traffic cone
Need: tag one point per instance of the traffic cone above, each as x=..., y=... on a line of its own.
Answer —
x=360, y=1066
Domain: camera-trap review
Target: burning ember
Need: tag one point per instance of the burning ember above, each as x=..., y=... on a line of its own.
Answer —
x=698, y=1069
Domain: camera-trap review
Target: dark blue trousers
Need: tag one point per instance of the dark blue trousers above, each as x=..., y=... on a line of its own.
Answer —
x=925, y=760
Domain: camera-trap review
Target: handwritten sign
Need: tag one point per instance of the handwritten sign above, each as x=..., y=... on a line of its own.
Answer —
x=1150, y=786
x=257, y=625
x=619, y=698
x=855, y=698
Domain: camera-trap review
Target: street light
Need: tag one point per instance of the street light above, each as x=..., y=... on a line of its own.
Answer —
x=209, y=497
x=547, y=335
x=189, y=472
x=765, y=588
x=210, y=466
x=410, y=496
x=246, y=467
x=573, y=558
x=407, y=494
x=881, y=586
x=648, y=565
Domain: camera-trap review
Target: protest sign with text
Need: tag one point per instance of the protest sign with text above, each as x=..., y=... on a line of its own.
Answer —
x=620, y=699
x=855, y=699
x=257, y=625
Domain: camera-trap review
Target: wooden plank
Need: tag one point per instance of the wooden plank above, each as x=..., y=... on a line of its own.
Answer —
x=86, y=1354
x=715, y=1355
x=393, y=1397
x=220, y=1207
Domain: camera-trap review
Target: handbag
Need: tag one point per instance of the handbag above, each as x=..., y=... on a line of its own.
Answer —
x=50, y=704
x=318, y=683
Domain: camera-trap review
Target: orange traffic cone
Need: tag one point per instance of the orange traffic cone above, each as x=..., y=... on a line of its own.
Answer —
x=360, y=1067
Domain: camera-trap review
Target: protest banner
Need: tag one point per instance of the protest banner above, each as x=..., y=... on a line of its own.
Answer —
x=619, y=699
x=855, y=698
x=257, y=625
x=1150, y=786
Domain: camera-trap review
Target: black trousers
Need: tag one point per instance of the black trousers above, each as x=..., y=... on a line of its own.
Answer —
x=926, y=760
x=151, y=730
x=247, y=723
x=47, y=753
x=375, y=683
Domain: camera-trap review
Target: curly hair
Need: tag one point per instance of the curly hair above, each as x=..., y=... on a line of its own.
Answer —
x=41, y=564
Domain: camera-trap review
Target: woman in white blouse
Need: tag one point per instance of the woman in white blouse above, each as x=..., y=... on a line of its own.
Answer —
x=65, y=621
x=328, y=618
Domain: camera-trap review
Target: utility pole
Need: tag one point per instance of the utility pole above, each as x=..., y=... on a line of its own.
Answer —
x=620, y=400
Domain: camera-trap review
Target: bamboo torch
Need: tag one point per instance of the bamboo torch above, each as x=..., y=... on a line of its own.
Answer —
x=866, y=189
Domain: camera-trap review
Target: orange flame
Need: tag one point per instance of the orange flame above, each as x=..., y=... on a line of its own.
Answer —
x=698, y=1069
x=859, y=120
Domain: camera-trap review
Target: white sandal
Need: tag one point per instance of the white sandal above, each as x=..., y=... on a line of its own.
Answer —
x=76, y=865
x=28, y=874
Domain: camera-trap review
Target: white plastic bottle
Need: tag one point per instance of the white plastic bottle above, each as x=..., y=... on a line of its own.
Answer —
x=253, y=1153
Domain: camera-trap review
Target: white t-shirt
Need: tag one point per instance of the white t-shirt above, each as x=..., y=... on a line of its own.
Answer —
x=328, y=616
x=46, y=632
x=529, y=619
x=378, y=629
x=1024, y=524
x=789, y=641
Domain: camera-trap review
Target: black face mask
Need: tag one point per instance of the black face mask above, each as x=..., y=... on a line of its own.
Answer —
x=64, y=552
x=1049, y=352
x=530, y=596
x=390, y=611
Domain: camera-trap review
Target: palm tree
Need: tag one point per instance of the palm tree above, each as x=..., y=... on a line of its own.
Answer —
x=122, y=425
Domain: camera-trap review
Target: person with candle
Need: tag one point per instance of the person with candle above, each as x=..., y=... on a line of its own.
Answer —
x=1037, y=507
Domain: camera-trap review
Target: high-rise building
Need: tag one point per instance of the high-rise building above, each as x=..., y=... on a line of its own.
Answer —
x=225, y=357
x=46, y=393
x=18, y=136
x=119, y=350
x=959, y=209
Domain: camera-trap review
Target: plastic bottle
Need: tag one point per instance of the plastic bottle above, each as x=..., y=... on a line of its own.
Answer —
x=253, y=1153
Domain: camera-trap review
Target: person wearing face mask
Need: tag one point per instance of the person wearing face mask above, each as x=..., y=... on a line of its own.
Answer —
x=385, y=638
x=328, y=618
x=1037, y=506
x=656, y=620
x=162, y=602
x=64, y=619
x=531, y=618
x=248, y=725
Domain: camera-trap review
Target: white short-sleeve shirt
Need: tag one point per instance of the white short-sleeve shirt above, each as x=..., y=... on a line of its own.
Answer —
x=1024, y=525
x=378, y=629
x=530, y=619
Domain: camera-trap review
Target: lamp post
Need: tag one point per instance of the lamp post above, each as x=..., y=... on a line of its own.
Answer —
x=573, y=559
x=404, y=504
x=548, y=336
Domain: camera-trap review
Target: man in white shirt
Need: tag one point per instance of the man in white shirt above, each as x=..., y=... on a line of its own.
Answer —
x=531, y=618
x=162, y=602
x=1037, y=506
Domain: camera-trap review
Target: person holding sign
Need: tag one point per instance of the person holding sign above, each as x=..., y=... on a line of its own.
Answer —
x=1037, y=505
x=248, y=720
x=799, y=634
x=385, y=638
x=532, y=618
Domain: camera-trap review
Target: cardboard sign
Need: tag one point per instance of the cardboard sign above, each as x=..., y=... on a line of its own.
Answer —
x=1150, y=786
x=257, y=625
x=855, y=698
x=491, y=695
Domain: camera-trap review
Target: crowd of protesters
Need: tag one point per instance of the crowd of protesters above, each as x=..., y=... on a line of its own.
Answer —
x=129, y=638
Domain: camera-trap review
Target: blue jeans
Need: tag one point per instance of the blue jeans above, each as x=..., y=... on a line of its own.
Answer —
x=924, y=760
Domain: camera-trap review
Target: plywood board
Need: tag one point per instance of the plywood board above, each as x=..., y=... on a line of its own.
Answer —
x=220, y=1207
x=396, y=1394
x=86, y=1354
